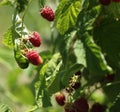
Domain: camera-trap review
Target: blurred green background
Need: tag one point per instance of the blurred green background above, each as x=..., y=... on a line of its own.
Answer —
x=17, y=85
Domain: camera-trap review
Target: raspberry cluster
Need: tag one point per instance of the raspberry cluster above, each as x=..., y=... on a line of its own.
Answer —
x=79, y=105
x=66, y=99
x=33, y=40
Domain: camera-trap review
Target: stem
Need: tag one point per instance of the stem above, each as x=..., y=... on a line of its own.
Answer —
x=52, y=39
x=26, y=10
x=23, y=17
x=13, y=28
x=104, y=86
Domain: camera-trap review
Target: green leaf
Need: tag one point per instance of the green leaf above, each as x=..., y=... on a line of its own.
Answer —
x=21, y=60
x=7, y=38
x=10, y=36
x=46, y=98
x=66, y=14
x=52, y=88
x=116, y=105
x=106, y=34
x=87, y=18
x=112, y=90
x=67, y=50
x=6, y=2
x=20, y=27
x=4, y=108
x=47, y=75
x=96, y=63
x=69, y=73
x=42, y=2
x=53, y=68
x=80, y=53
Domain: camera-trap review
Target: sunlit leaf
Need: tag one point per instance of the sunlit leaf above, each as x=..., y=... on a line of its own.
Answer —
x=47, y=75
x=66, y=14
x=4, y=108
x=20, y=27
x=7, y=38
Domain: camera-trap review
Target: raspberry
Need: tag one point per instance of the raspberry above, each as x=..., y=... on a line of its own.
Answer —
x=105, y=2
x=47, y=13
x=116, y=0
x=60, y=98
x=81, y=105
x=34, y=57
x=35, y=39
x=98, y=108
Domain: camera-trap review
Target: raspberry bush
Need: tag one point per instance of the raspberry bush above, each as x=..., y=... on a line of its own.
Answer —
x=81, y=71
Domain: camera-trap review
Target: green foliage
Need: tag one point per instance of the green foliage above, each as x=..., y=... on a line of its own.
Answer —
x=42, y=3
x=106, y=34
x=66, y=14
x=47, y=77
x=115, y=106
x=20, y=59
x=87, y=41
x=6, y=2
x=21, y=4
x=4, y=108
x=94, y=58
x=7, y=39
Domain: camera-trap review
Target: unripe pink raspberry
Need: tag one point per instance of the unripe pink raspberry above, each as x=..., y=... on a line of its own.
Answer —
x=47, y=13
x=34, y=57
x=35, y=39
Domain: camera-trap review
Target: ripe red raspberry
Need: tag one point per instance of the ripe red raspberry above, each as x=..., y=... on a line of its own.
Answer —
x=47, y=13
x=81, y=105
x=116, y=0
x=98, y=108
x=60, y=98
x=105, y=2
x=34, y=57
x=35, y=39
